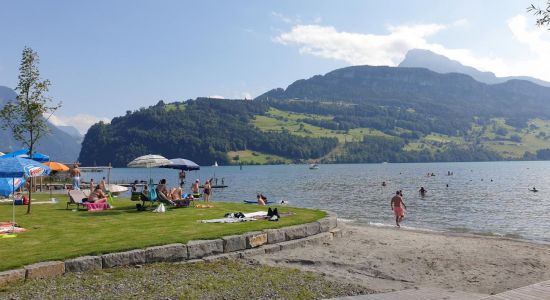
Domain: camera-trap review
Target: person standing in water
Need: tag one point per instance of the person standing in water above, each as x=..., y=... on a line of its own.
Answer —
x=398, y=207
x=422, y=191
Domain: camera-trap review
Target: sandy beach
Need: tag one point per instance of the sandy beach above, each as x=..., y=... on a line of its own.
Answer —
x=390, y=259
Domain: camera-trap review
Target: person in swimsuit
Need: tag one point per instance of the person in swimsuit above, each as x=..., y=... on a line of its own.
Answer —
x=398, y=207
x=422, y=191
x=260, y=200
x=75, y=175
x=97, y=196
x=207, y=190
x=195, y=189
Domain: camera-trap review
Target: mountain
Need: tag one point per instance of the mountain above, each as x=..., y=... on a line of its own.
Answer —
x=349, y=115
x=59, y=145
x=72, y=131
x=420, y=58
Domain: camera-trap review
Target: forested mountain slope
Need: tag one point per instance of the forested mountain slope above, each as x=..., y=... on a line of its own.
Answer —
x=354, y=114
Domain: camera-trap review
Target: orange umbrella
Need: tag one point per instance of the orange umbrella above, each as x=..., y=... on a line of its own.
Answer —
x=55, y=166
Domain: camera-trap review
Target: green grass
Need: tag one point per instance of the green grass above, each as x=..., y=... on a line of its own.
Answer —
x=277, y=121
x=254, y=158
x=55, y=233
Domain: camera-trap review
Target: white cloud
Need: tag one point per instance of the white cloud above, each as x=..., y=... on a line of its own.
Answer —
x=357, y=48
x=82, y=122
x=461, y=22
x=216, y=97
x=282, y=17
x=390, y=49
x=246, y=95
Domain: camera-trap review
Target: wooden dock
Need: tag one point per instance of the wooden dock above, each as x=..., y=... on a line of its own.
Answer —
x=537, y=291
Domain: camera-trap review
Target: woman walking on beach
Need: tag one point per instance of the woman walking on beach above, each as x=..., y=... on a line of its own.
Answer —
x=398, y=207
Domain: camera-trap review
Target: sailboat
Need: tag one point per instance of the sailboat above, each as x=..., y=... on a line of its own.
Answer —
x=215, y=164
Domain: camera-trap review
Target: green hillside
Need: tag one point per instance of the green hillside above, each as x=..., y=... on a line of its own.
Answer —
x=351, y=115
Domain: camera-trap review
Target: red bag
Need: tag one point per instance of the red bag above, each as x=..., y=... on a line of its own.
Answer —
x=25, y=200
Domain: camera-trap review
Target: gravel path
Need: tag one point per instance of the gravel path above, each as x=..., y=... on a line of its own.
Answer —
x=216, y=280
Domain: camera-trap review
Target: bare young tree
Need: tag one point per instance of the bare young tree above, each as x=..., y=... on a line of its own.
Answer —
x=28, y=115
x=542, y=14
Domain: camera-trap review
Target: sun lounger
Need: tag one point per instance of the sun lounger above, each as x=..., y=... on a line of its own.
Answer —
x=76, y=197
x=79, y=198
x=164, y=199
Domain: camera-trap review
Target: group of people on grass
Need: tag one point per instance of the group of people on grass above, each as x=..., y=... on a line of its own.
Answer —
x=177, y=193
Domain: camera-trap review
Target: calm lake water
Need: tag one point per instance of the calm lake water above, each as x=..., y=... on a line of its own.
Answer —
x=483, y=198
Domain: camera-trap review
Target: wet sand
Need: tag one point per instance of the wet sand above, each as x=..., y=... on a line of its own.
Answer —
x=389, y=259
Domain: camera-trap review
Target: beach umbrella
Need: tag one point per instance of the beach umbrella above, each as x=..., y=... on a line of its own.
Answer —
x=55, y=166
x=23, y=153
x=148, y=161
x=17, y=167
x=9, y=185
x=182, y=164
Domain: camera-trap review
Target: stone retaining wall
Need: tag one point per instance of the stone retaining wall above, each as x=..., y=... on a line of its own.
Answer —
x=229, y=247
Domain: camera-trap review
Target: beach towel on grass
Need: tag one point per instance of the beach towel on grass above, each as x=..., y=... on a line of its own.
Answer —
x=247, y=217
x=6, y=227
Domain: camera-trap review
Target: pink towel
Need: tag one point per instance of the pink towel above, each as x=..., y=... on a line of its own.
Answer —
x=96, y=206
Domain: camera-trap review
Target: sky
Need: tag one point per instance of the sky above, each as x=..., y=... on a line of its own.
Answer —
x=106, y=57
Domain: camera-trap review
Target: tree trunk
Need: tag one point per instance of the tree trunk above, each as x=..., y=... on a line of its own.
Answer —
x=30, y=178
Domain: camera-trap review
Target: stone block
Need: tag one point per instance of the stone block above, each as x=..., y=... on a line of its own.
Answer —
x=166, y=253
x=225, y=256
x=12, y=276
x=295, y=232
x=234, y=243
x=200, y=249
x=293, y=244
x=275, y=236
x=318, y=239
x=251, y=252
x=329, y=222
x=194, y=261
x=47, y=269
x=272, y=248
x=134, y=257
x=256, y=239
x=83, y=264
x=337, y=232
x=312, y=228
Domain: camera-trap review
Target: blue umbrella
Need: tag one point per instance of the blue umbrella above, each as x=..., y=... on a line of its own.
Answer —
x=182, y=164
x=17, y=167
x=8, y=185
x=24, y=154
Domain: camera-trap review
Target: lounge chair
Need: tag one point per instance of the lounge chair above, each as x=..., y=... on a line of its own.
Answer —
x=76, y=197
x=164, y=199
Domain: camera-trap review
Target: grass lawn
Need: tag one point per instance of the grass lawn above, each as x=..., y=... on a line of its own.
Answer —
x=55, y=233
x=256, y=157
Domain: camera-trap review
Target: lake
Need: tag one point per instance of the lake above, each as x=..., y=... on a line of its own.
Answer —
x=489, y=198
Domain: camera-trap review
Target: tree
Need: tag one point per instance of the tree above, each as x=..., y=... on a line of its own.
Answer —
x=542, y=14
x=28, y=115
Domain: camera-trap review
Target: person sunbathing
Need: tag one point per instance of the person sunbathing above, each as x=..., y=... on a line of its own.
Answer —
x=176, y=193
x=97, y=196
x=261, y=199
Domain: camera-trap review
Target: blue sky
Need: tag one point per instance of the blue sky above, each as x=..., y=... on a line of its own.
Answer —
x=106, y=57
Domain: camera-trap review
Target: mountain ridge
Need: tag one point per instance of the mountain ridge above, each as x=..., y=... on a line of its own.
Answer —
x=421, y=58
x=60, y=146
